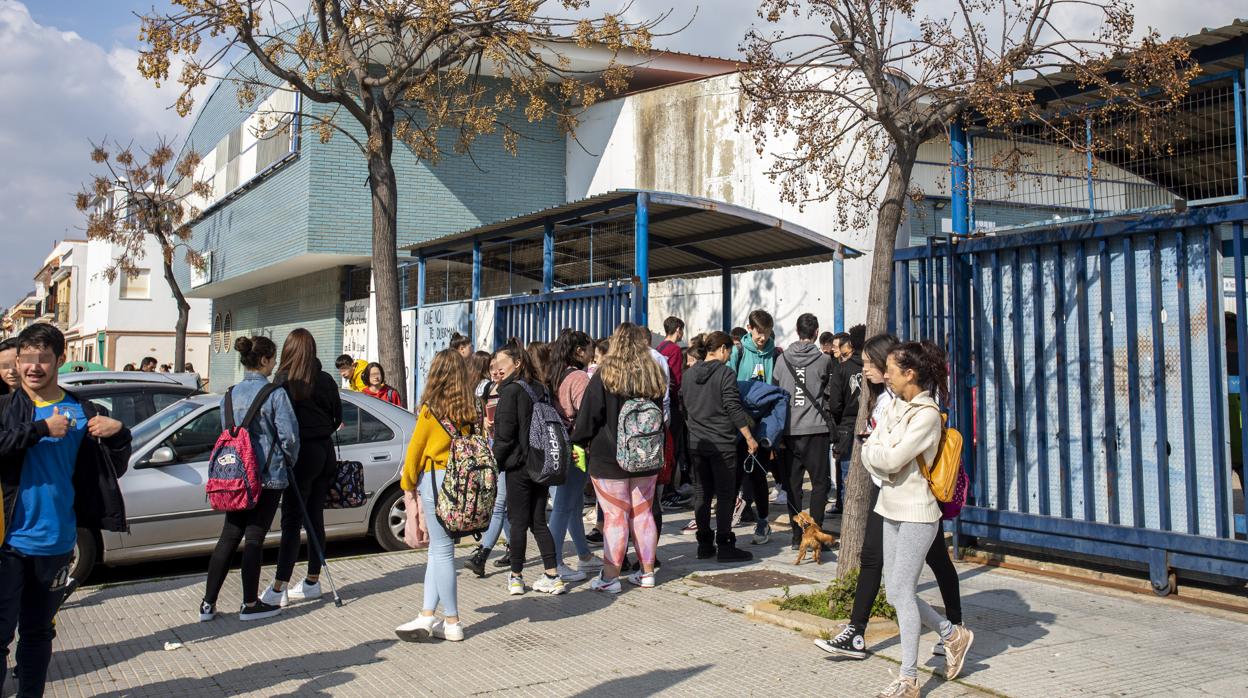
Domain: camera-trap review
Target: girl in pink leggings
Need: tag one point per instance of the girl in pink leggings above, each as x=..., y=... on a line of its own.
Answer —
x=617, y=426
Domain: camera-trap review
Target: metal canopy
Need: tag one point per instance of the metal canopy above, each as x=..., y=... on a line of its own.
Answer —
x=688, y=236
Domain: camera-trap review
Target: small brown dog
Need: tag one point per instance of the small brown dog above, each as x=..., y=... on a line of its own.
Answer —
x=812, y=538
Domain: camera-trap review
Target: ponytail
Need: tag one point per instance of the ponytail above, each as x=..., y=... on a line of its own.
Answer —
x=930, y=366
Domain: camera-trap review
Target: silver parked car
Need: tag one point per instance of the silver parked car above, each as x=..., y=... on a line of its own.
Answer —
x=168, y=512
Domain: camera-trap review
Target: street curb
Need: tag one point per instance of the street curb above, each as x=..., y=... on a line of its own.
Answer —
x=810, y=625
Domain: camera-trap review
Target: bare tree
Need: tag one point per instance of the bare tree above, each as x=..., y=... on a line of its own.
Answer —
x=872, y=80
x=408, y=71
x=137, y=197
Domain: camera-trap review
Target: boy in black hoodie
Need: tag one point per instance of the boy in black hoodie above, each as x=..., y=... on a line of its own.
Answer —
x=843, y=392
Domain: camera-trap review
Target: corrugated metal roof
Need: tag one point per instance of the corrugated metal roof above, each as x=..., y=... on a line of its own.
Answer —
x=1201, y=42
x=689, y=236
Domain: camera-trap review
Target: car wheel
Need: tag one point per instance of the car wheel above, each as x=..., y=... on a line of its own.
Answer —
x=389, y=518
x=86, y=555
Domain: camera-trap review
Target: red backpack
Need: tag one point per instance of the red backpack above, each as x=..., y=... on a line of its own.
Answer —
x=233, y=473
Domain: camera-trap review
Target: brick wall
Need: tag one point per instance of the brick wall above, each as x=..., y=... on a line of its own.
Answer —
x=313, y=302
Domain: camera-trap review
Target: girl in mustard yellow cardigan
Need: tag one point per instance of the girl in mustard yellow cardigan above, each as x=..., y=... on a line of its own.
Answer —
x=446, y=404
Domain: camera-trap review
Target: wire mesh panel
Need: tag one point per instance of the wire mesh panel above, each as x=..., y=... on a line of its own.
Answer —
x=1099, y=161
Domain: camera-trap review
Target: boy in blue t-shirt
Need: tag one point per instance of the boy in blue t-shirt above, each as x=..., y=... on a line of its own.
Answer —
x=42, y=431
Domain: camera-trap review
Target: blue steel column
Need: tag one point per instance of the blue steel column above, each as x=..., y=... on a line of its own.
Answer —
x=420, y=303
x=960, y=195
x=476, y=287
x=1091, y=188
x=838, y=288
x=1241, y=187
x=548, y=257
x=960, y=273
x=725, y=298
x=641, y=259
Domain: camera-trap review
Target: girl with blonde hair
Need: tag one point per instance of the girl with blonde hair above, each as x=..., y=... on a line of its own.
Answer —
x=626, y=373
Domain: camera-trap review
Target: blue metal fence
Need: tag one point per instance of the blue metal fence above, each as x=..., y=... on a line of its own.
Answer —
x=1090, y=372
x=595, y=310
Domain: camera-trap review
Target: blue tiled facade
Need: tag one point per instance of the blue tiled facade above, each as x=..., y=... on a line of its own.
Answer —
x=318, y=202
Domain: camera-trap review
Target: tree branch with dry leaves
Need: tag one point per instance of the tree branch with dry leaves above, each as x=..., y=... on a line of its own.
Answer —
x=403, y=72
x=855, y=97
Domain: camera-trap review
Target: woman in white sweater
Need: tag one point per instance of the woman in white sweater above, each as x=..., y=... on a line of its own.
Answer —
x=917, y=374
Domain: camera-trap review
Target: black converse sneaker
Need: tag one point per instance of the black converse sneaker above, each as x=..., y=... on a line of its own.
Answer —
x=207, y=611
x=257, y=612
x=849, y=643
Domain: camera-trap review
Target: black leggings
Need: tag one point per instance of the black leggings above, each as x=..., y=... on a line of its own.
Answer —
x=250, y=526
x=872, y=566
x=526, y=510
x=314, y=471
x=714, y=475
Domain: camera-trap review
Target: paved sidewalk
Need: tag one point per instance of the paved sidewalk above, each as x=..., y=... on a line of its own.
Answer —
x=1034, y=638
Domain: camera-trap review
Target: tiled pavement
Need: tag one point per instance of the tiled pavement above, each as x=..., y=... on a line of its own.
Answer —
x=1034, y=638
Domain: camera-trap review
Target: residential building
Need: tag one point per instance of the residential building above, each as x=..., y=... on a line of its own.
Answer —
x=60, y=288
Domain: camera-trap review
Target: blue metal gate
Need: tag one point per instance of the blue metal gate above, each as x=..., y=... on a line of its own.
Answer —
x=1089, y=367
x=539, y=317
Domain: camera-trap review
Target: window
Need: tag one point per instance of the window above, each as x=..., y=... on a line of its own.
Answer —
x=137, y=286
x=125, y=407
x=360, y=427
x=227, y=343
x=195, y=440
x=162, y=400
x=217, y=346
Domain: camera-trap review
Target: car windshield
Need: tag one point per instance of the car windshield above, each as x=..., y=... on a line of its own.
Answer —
x=147, y=430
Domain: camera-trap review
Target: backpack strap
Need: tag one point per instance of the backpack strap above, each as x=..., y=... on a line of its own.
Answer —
x=532, y=393
x=261, y=398
x=814, y=397
x=229, y=410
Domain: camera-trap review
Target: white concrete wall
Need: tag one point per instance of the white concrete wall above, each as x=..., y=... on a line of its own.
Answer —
x=683, y=139
x=130, y=349
x=106, y=310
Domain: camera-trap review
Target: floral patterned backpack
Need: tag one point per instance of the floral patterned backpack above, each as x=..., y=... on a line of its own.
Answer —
x=465, y=499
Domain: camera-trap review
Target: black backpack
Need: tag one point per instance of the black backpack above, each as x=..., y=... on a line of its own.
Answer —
x=548, y=440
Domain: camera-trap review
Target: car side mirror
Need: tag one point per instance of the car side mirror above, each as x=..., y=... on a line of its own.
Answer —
x=161, y=456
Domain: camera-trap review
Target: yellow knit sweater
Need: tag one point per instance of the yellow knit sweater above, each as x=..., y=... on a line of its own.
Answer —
x=428, y=449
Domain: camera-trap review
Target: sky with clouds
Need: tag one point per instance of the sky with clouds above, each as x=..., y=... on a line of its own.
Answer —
x=68, y=77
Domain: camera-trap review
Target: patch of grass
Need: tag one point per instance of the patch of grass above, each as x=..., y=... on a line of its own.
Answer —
x=836, y=602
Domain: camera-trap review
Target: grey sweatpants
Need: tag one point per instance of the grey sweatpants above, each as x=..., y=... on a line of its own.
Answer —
x=905, y=550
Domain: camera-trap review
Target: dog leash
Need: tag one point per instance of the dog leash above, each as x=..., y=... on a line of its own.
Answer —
x=751, y=462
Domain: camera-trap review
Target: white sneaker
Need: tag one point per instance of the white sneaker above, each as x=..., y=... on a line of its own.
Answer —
x=451, y=632
x=273, y=597
x=417, y=630
x=549, y=585
x=691, y=527
x=568, y=574
x=642, y=579
x=600, y=584
x=593, y=563
x=303, y=591
x=515, y=585
x=781, y=499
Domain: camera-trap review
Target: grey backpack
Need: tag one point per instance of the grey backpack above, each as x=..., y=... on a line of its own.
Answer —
x=639, y=437
x=548, y=440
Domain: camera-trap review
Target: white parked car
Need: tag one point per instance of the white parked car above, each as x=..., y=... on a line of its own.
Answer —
x=168, y=512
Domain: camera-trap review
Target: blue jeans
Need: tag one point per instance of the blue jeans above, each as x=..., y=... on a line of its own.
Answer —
x=565, y=516
x=498, y=519
x=440, y=569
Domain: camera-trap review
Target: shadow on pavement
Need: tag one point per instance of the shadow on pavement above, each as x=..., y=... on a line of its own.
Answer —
x=268, y=673
x=538, y=609
x=643, y=684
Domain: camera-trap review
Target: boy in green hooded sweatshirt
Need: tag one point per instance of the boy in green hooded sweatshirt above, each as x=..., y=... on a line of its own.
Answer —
x=756, y=356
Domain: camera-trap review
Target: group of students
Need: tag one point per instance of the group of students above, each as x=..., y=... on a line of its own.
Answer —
x=717, y=398
x=728, y=413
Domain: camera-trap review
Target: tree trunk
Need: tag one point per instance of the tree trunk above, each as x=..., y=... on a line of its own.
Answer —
x=858, y=486
x=385, y=195
x=184, y=311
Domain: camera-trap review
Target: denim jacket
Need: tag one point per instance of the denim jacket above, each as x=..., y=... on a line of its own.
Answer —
x=278, y=411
